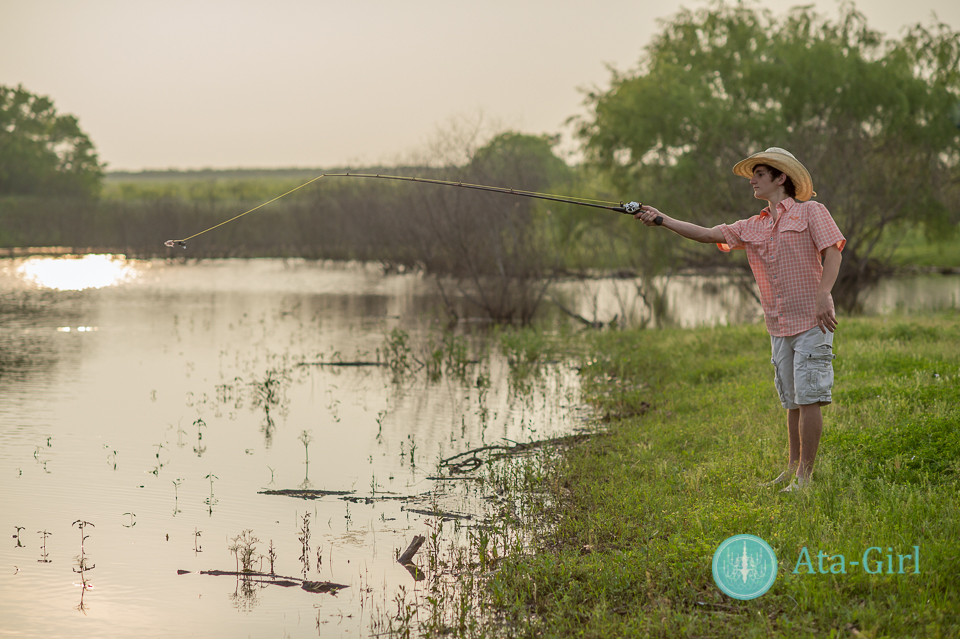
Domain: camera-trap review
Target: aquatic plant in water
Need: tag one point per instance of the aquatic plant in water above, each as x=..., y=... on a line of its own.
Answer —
x=304, y=539
x=199, y=449
x=305, y=438
x=244, y=549
x=44, y=555
x=398, y=353
x=176, y=484
x=211, y=500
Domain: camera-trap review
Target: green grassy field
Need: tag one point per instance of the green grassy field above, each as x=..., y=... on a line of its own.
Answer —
x=693, y=428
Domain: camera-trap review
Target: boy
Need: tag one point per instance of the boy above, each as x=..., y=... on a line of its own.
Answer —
x=784, y=245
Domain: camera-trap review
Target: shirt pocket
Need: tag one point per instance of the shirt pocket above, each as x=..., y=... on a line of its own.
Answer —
x=794, y=224
x=755, y=235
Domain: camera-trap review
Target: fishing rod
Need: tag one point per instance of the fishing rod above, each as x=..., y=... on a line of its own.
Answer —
x=627, y=208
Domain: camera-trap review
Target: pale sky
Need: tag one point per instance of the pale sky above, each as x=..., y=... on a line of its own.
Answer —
x=283, y=83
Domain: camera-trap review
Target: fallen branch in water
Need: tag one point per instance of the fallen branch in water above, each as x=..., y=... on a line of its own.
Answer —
x=305, y=494
x=406, y=558
x=442, y=514
x=322, y=586
x=344, y=364
x=580, y=318
x=411, y=550
x=345, y=495
x=499, y=451
x=273, y=580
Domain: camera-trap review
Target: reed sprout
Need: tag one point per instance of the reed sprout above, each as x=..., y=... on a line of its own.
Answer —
x=244, y=549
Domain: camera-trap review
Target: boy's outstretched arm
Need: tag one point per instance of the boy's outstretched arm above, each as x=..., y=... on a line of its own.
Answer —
x=647, y=214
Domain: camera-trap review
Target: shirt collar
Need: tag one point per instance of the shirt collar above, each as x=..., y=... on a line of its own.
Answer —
x=782, y=207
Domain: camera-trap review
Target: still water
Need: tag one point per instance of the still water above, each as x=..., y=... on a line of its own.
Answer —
x=158, y=400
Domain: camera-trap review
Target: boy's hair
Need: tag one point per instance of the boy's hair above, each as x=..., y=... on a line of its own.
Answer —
x=788, y=186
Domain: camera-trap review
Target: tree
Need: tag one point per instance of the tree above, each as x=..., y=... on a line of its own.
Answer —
x=492, y=248
x=42, y=153
x=869, y=117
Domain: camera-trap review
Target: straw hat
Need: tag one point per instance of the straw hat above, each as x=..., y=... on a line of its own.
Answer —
x=784, y=161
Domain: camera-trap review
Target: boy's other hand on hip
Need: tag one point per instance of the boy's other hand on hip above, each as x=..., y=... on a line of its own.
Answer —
x=826, y=318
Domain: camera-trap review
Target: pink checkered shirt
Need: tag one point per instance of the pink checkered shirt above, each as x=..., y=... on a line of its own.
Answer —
x=785, y=258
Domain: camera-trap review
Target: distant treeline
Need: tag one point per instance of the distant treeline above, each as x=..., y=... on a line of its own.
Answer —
x=334, y=218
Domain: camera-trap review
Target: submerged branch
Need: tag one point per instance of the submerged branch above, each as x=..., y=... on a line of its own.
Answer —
x=499, y=451
x=305, y=494
x=273, y=580
x=343, y=364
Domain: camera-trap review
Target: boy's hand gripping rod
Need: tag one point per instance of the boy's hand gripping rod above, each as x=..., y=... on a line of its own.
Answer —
x=629, y=208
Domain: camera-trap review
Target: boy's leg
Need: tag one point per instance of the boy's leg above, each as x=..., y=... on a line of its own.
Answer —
x=810, y=428
x=793, y=436
x=793, y=433
x=782, y=357
x=813, y=374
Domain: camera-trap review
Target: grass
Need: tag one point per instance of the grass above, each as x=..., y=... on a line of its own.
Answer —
x=694, y=427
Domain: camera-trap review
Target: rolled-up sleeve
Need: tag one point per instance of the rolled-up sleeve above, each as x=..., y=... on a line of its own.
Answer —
x=731, y=233
x=823, y=229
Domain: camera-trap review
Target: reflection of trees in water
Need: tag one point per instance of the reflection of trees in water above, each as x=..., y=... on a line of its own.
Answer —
x=674, y=299
x=26, y=352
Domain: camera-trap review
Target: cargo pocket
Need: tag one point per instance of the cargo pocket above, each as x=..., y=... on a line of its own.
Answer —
x=819, y=373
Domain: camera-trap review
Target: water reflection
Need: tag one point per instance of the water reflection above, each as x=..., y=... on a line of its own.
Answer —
x=72, y=273
x=709, y=300
x=918, y=292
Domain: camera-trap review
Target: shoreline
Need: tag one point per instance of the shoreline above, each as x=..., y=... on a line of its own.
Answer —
x=626, y=524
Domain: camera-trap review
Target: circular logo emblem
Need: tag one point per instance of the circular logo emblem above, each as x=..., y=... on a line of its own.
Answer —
x=744, y=567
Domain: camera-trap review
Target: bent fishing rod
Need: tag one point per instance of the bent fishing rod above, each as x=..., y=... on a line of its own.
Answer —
x=627, y=208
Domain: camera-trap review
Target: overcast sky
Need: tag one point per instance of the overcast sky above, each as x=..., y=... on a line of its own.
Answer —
x=280, y=83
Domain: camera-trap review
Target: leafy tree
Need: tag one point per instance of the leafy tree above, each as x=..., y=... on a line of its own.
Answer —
x=869, y=117
x=510, y=158
x=42, y=153
x=490, y=248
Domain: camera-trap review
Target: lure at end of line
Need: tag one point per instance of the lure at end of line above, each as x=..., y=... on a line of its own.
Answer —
x=173, y=243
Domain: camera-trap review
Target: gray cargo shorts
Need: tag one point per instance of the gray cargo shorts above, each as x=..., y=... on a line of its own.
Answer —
x=803, y=365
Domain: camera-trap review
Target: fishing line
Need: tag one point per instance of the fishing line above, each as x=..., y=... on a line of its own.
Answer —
x=628, y=208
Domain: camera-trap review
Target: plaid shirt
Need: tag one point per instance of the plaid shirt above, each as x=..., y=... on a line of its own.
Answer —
x=785, y=258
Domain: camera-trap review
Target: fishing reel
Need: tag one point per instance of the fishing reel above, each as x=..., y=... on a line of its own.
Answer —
x=633, y=207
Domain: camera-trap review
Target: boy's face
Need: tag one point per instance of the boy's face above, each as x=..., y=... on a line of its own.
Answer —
x=765, y=187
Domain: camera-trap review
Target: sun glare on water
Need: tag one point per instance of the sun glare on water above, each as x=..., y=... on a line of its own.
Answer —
x=77, y=273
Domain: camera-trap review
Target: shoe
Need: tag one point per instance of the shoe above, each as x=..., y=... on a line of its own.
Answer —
x=797, y=486
x=783, y=478
x=792, y=488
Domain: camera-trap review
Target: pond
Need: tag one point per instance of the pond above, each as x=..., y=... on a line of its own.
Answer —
x=160, y=406
x=148, y=408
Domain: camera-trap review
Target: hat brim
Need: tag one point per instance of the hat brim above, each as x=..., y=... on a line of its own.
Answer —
x=792, y=167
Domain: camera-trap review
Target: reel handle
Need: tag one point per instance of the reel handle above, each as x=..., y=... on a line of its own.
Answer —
x=632, y=207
